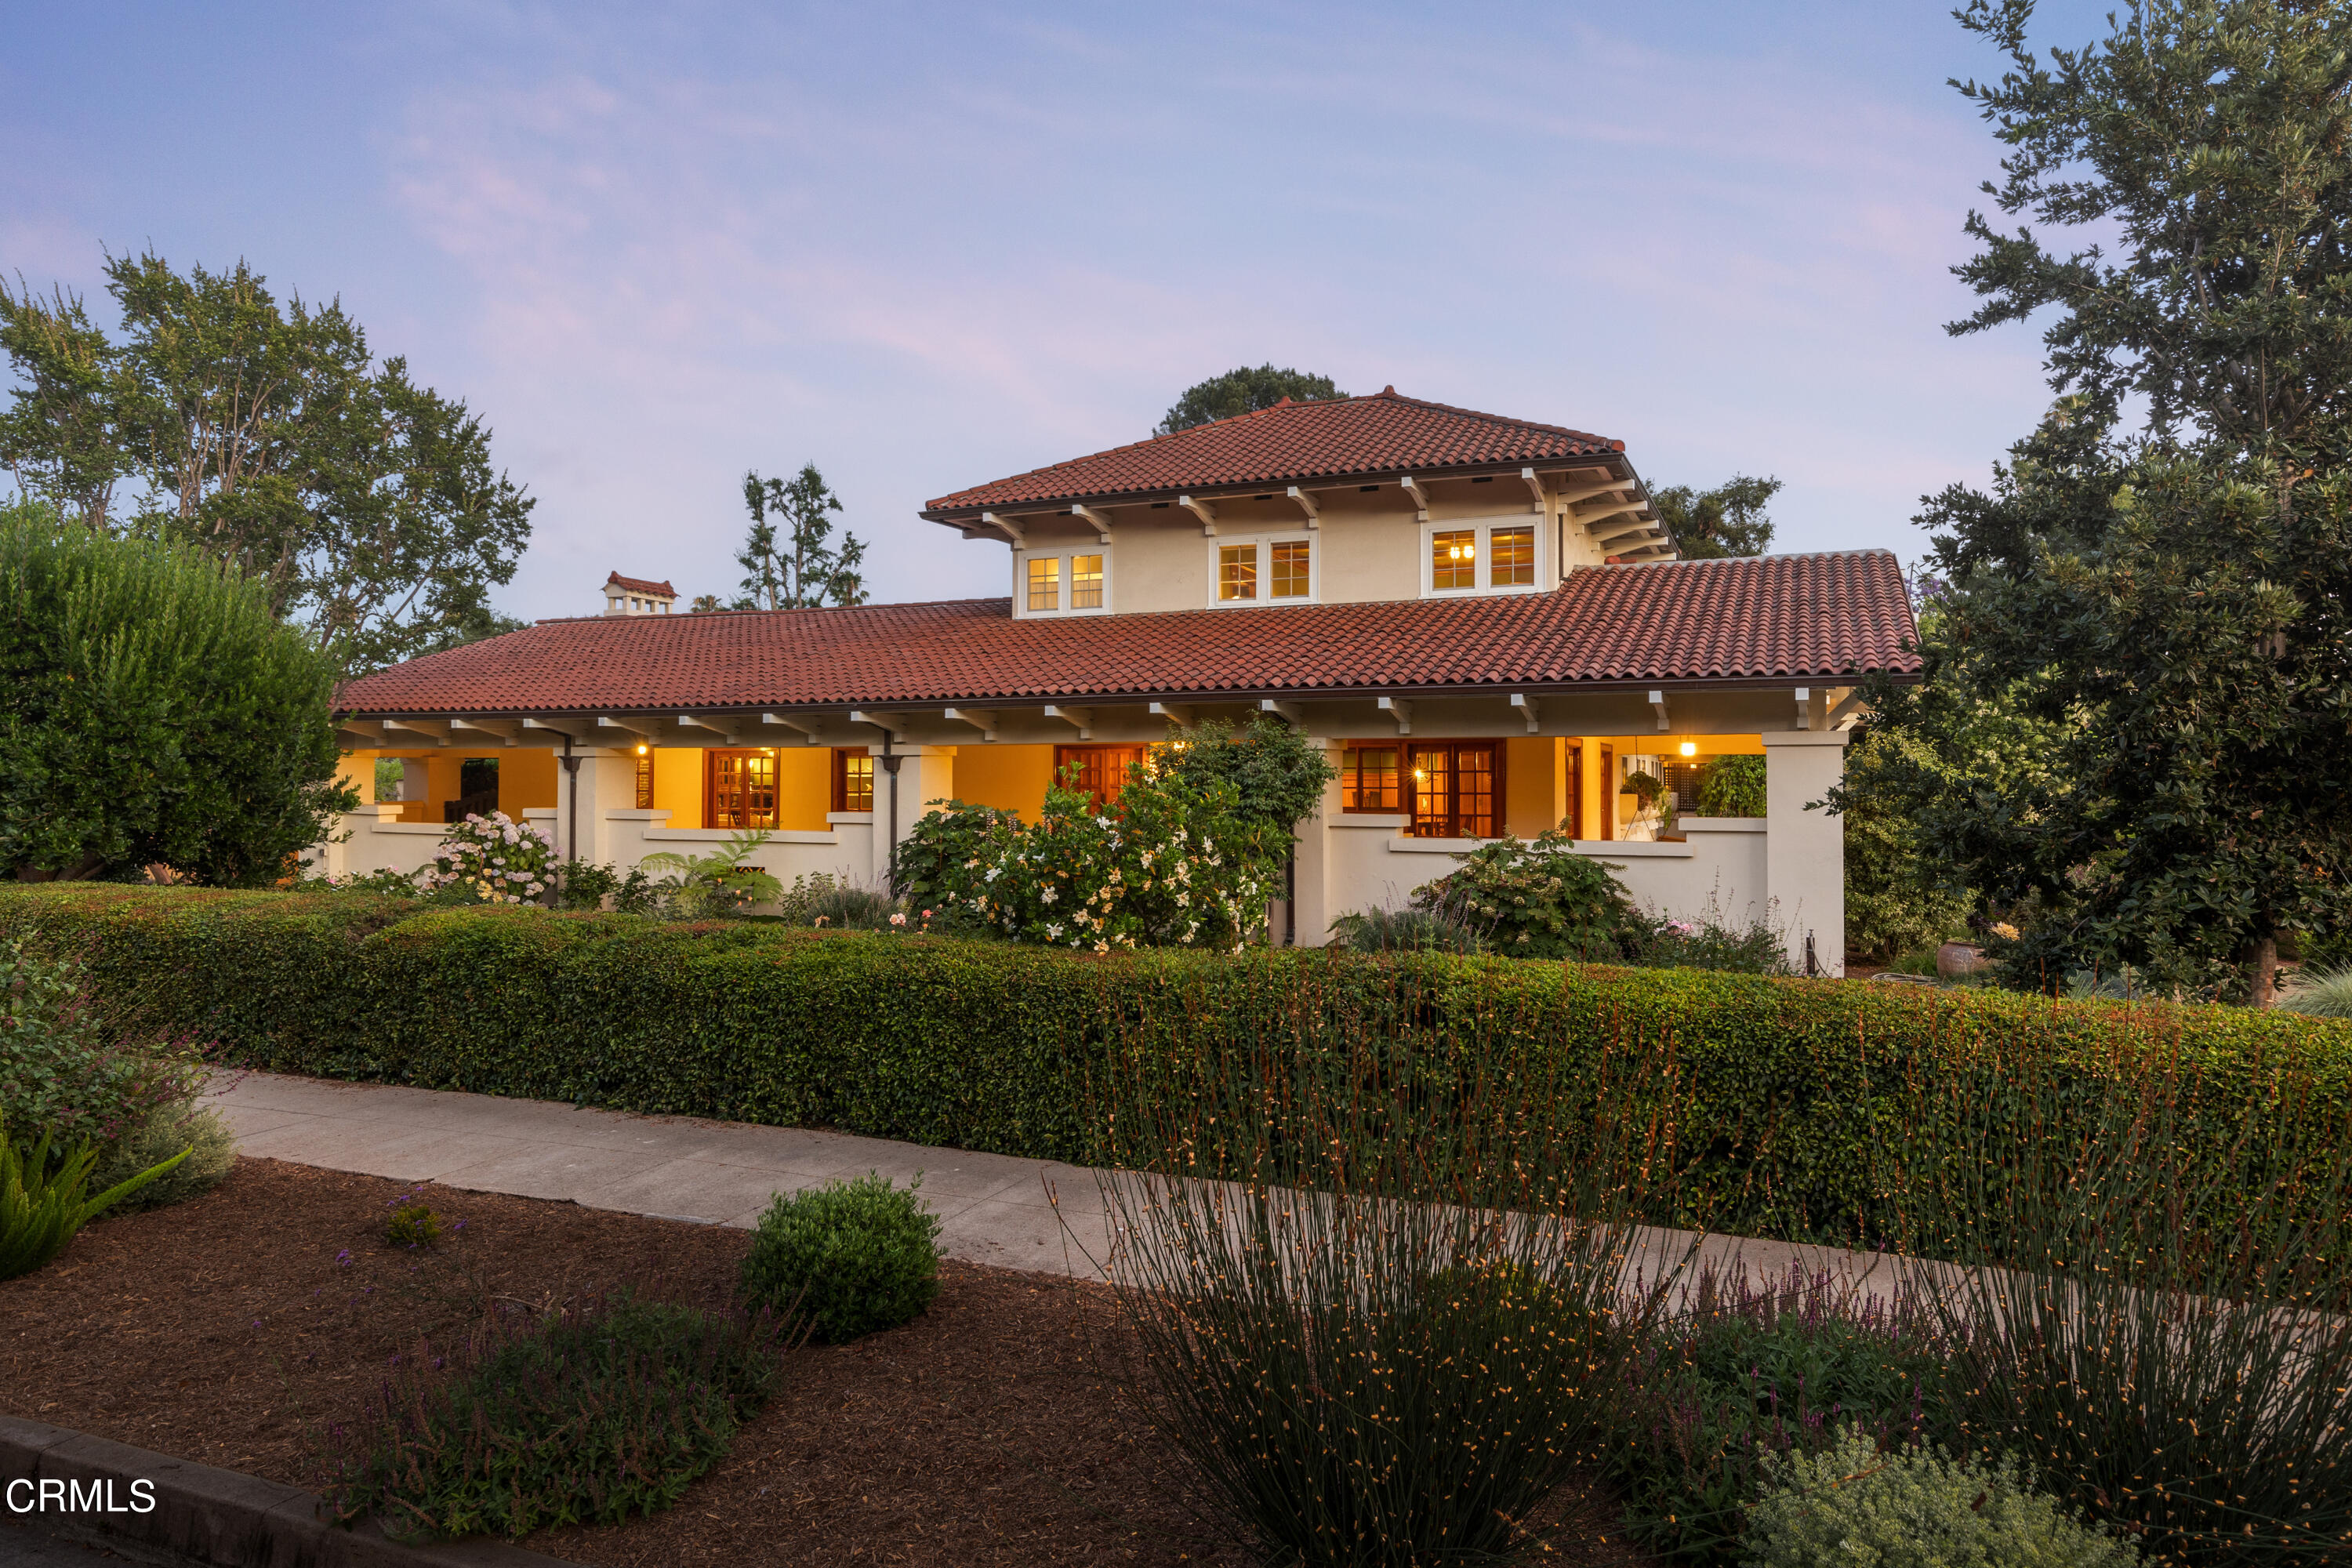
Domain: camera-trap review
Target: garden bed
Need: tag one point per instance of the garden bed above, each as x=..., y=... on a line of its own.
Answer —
x=233, y=1328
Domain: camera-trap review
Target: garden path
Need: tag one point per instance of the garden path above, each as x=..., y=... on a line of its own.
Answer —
x=995, y=1209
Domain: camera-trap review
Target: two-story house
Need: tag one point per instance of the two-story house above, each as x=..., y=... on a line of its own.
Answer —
x=1481, y=618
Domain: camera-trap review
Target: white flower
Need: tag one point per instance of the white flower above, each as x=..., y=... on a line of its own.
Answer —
x=1054, y=933
x=1047, y=893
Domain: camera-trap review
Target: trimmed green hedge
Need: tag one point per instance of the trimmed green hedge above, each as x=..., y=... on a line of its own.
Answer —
x=1777, y=1090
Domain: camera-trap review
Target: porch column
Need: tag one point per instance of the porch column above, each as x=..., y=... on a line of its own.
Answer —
x=1804, y=851
x=1314, y=915
x=926, y=774
x=606, y=780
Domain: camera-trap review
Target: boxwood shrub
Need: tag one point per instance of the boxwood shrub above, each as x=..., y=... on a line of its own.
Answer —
x=1774, y=1094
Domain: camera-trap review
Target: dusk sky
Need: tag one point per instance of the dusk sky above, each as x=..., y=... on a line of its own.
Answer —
x=928, y=246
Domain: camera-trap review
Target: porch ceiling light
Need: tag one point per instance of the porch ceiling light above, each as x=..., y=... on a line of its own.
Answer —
x=1690, y=748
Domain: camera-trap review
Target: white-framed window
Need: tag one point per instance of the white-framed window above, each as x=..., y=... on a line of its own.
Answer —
x=1067, y=580
x=1264, y=569
x=1484, y=555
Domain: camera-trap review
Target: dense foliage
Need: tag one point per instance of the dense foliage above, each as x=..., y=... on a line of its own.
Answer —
x=62, y=1070
x=1897, y=899
x=1732, y=786
x=604, y=1408
x=1244, y=391
x=1779, y=1092
x=2168, y=599
x=1538, y=899
x=1187, y=857
x=1860, y=1501
x=847, y=1260
x=1729, y=520
x=265, y=434
x=151, y=711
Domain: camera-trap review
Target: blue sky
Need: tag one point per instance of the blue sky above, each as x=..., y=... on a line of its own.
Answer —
x=929, y=246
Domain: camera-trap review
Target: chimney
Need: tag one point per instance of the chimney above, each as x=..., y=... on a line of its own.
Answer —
x=637, y=597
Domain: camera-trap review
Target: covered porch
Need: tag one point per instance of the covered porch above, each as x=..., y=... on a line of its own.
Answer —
x=1422, y=780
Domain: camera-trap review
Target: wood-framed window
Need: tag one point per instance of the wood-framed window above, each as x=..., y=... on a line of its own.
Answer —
x=1064, y=580
x=1371, y=778
x=1236, y=572
x=1511, y=558
x=645, y=777
x=1099, y=771
x=1086, y=582
x=1483, y=555
x=1456, y=788
x=853, y=779
x=1044, y=584
x=1454, y=559
x=742, y=789
x=1269, y=568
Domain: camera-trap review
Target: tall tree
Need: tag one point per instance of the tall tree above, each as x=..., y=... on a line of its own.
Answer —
x=265, y=433
x=1244, y=391
x=788, y=557
x=2170, y=598
x=1725, y=520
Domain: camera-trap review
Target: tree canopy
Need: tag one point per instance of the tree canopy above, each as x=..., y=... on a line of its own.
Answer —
x=1244, y=391
x=153, y=709
x=789, y=560
x=265, y=433
x=2158, y=576
x=1725, y=520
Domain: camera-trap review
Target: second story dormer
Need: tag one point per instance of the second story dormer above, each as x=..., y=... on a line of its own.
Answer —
x=1349, y=500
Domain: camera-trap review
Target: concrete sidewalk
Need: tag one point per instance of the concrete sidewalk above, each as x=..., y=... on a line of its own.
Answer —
x=993, y=1208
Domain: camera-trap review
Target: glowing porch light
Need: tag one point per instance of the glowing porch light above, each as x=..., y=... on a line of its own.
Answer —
x=1690, y=748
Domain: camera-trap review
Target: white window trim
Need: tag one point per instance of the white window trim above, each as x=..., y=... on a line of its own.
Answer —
x=1063, y=553
x=1484, y=527
x=1314, y=543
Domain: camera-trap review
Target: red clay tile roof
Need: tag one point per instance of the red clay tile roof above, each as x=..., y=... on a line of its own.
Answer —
x=1773, y=617
x=639, y=585
x=1332, y=438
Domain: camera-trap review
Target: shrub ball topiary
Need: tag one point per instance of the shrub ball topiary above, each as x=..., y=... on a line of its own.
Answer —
x=1910, y=1507
x=847, y=1260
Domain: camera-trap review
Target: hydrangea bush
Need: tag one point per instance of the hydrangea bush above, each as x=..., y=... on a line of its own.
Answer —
x=492, y=859
x=1170, y=865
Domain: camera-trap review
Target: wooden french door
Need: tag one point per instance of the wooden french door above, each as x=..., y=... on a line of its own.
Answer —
x=1100, y=771
x=742, y=789
x=1456, y=787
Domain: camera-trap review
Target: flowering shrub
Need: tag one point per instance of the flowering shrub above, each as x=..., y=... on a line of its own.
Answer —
x=1170, y=864
x=492, y=860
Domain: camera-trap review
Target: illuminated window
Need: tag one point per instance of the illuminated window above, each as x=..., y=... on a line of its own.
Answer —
x=1453, y=789
x=853, y=779
x=1045, y=584
x=644, y=777
x=1237, y=571
x=1290, y=564
x=1454, y=559
x=1098, y=771
x=1368, y=779
x=742, y=789
x=1086, y=582
x=1511, y=558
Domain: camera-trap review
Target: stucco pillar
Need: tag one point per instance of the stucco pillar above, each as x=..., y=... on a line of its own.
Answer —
x=1312, y=920
x=1804, y=851
x=606, y=780
x=925, y=773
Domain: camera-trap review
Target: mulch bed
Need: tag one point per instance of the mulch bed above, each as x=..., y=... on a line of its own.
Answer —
x=233, y=1329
